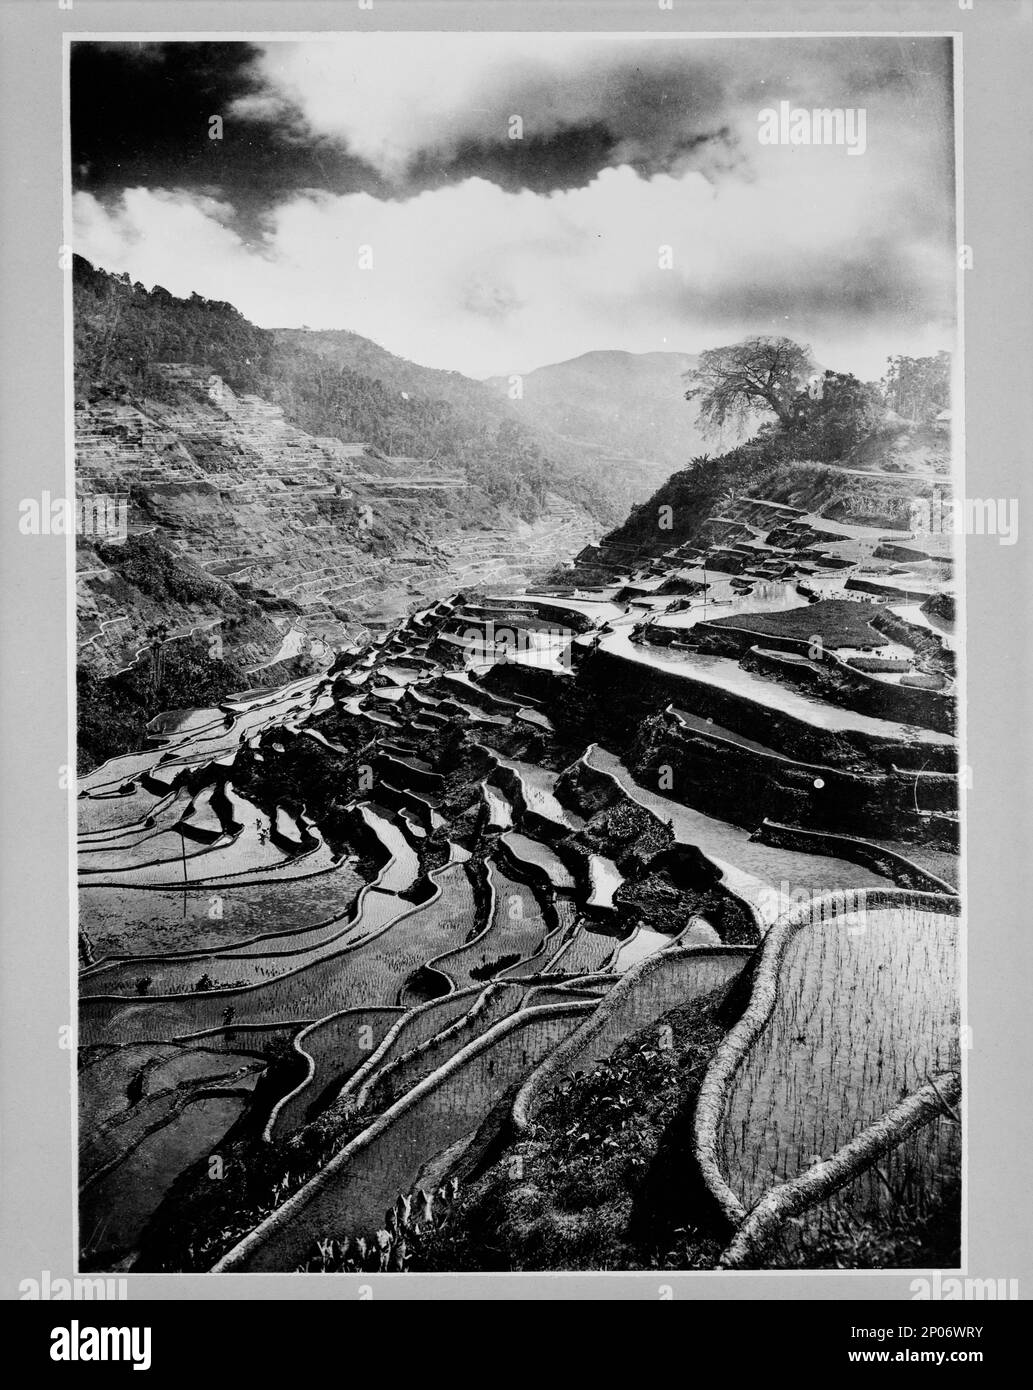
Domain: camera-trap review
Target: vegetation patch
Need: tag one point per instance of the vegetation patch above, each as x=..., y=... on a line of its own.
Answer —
x=836, y=622
x=113, y=711
x=605, y=1179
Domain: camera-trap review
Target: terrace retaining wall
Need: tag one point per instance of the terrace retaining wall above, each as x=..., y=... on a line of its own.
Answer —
x=650, y=989
x=338, y=1039
x=715, y=1092
x=629, y=691
x=405, y=1071
x=351, y=1193
x=774, y=785
x=887, y=862
x=766, y=1223
x=413, y=1027
x=850, y=688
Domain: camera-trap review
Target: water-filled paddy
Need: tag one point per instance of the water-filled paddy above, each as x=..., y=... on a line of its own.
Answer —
x=516, y=929
x=759, y=874
x=114, y=1210
x=538, y=856
x=726, y=674
x=866, y=1011
x=643, y=943
x=134, y=921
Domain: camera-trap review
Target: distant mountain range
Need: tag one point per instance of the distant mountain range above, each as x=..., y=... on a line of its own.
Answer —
x=619, y=417
x=615, y=404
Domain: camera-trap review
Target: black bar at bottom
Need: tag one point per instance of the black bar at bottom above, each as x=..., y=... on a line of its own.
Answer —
x=233, y=1337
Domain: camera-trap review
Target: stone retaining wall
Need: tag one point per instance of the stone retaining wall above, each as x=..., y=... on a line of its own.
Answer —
x=918, y=1114
x=850, y=688
x=903, y=871
x=351, y=1193
x=630, y=691
x=649, y=990
x=338, y=1037
x=715, y=1092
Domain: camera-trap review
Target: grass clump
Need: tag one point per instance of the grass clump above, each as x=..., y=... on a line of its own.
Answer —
x=605, y=1179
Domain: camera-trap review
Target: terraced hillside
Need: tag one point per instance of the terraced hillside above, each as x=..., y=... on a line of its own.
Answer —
x=370, y=961
x=314, y=543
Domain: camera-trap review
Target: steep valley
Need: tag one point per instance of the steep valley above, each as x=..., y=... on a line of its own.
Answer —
x=253, y=501
x=324, y=542
x=498, y=892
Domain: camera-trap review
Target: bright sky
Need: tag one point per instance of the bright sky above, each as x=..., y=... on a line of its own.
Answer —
x=371, y=183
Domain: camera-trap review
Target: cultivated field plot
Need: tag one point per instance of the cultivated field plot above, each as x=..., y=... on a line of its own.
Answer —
x=403, y=1073
x=750, y=869
x=537, y=790
x=158, y=1085
x=835, y=623
x=865, y=1011
x=538, y=859
x=407, y=1030
x=350, y=1192
x=333, y=1049
x=128, y=828
x=585, y=953
x=114, y=1210
x=126, y=921
x=516, y=932
x=374, y=969
x=246, y=971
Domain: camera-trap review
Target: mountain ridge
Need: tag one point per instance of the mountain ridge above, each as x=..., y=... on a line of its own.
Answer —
x=276, y=507
x=655, y=431
x=620, y=405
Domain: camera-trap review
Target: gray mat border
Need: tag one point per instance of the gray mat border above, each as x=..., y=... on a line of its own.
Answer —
x=37, y=1136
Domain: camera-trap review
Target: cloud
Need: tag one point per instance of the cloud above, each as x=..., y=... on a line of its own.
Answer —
x=487, y=281
x=423, y=109
x=443, y=108
x=493, y=255
x=141, y=118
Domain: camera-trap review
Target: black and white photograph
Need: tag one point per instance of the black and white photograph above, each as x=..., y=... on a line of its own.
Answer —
x=517, y=777
x=516, y=660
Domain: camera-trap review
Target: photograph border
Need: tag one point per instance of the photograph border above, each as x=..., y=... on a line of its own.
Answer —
x=695, y=1284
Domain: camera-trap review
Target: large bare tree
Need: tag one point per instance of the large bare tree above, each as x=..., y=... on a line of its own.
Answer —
x=731, y=383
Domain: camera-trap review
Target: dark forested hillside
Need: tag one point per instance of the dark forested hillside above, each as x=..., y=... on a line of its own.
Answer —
x=619, y=418
x=121, y=327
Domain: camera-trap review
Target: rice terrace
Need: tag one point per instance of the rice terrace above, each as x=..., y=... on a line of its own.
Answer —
x=516, y=831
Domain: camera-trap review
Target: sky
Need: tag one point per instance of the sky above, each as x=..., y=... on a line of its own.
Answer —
x=371, y=182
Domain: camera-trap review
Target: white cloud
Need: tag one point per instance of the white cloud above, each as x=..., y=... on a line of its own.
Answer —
x=389, y=96
x=484, y=281
x=852, y=255
x=159, y=237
